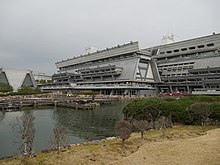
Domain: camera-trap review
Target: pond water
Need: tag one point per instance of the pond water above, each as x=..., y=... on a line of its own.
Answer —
x=82, y=126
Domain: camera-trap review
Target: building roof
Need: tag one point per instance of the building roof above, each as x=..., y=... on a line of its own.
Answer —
x=109, y=52
x=17, y=78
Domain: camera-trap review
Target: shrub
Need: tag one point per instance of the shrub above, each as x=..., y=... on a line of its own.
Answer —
x=28, y=90
x=215, y=111
x=140, y=108
x=152, y=108
x=202, y=110
x=140, y=126
x=124, y=129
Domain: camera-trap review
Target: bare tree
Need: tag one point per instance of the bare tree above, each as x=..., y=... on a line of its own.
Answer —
x=162, y=121
x=26, y=130
x=153, y=120
x=124, y=129
x=169, y=123
x=202, y=110
x=140, y=126
x=60, y=137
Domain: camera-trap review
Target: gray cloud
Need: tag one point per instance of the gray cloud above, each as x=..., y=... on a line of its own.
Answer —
x=34, y=34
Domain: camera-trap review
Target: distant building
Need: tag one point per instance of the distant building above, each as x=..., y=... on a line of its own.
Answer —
x=17, y=78
x=42, y=78
x=189, y=66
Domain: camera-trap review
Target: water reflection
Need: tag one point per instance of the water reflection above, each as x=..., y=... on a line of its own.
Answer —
x=89, y=124
x=82, y=125
x=2, y=115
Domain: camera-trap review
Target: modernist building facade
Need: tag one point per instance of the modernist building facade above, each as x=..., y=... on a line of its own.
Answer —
x=186, y=66
x=17, y=78
x=191, y=65
x=121, y=70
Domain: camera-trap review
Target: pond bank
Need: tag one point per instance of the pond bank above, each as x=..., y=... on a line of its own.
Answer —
x=201, y=146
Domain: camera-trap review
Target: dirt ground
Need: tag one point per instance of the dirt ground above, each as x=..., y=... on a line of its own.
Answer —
x=185, y=145
x=202, y=150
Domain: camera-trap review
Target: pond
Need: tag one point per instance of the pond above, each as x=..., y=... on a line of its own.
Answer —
x=82, y=125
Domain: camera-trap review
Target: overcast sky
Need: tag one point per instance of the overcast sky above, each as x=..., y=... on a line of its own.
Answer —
x=35, y=34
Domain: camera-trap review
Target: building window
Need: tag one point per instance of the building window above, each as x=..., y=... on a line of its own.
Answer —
x=201, y=46
x=174, y=69
x=184, y=49
x=191, y=48
x=210, y=44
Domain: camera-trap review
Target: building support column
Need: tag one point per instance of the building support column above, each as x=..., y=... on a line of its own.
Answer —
x=171, y=90
x=187, y=87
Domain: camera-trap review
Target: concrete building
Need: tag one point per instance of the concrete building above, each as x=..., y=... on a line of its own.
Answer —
x=121, y=70
x=189, y=66
x=17, y=78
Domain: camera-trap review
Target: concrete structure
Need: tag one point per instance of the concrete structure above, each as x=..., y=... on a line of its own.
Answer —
x=191, y=65
x=17, y=78
x=121, y=70
x=39, y=77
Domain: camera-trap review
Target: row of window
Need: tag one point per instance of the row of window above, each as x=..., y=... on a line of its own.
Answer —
x=188, y=55
x=174, y=75
x=206, y=72
x=179, y=64
x=179, y=68
x=189, y=48
x=184, y=80
x=176, y=68
x=184, y=74
x=116, y=58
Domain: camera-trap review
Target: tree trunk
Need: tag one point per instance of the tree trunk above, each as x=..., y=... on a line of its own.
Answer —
x=142, y=134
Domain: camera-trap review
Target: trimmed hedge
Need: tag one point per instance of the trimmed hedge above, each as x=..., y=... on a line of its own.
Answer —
x=178, y=108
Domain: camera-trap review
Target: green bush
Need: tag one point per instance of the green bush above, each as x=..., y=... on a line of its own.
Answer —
x=28, y=90
x=141, y=107
x=215, y=111
x=178, y=108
